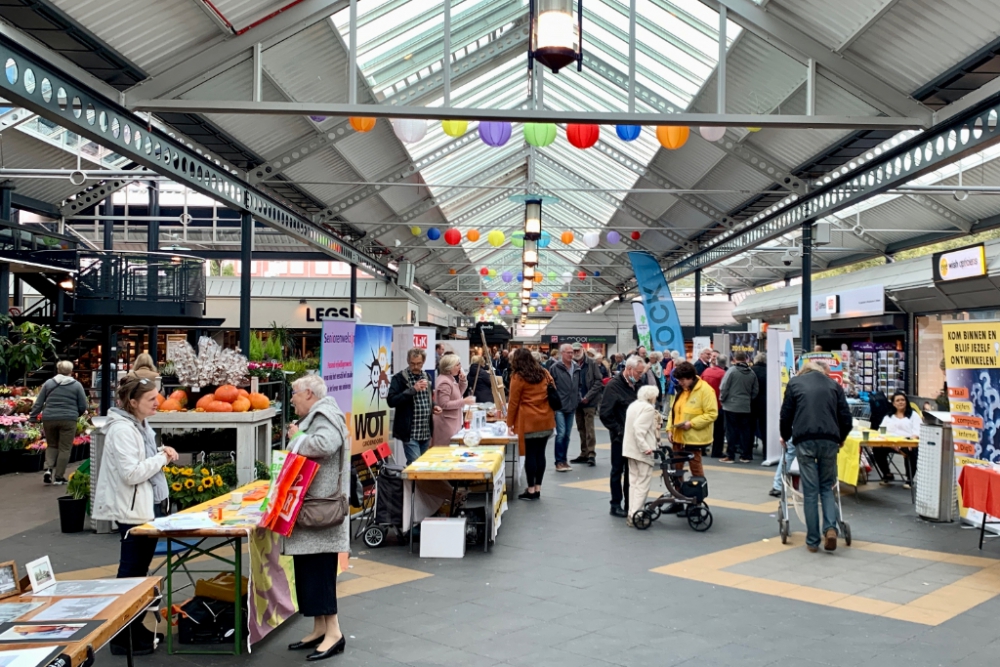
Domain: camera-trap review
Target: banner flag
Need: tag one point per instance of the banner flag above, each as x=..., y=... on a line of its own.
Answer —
x=661, y=314
x=641, y=324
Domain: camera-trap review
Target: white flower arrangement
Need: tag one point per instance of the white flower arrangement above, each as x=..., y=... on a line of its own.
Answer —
x=213, y=365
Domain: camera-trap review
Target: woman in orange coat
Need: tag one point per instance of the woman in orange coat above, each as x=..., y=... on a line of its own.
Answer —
x=530, y=417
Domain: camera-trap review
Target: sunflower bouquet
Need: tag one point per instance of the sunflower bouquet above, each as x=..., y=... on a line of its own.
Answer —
x=193, y=485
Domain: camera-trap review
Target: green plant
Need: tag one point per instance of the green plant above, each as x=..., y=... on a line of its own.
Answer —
x=194, y=485
x=79, y=485
x=256, y=351
x=273, y=349
x=25, y=346
x=227, y=471
x=283, y=337
x=299, y=367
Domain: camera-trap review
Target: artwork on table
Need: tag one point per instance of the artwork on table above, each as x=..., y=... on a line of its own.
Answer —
x=34, y=632
x=14, y=610
x=40, y=574
x=74, y=609
x=92, y=587
x=9, y=584
x=29, y=657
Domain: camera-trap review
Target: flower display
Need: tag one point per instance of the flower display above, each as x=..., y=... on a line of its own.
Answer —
x=190, y=486
x=212, y=365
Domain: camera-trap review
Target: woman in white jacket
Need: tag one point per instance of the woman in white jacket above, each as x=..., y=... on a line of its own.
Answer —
x=131, y=488
x=642, y=435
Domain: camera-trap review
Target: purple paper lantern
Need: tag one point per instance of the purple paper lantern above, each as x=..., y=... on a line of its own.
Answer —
x=494, y=133
x=317, y=119
x=614, y=237
x=507, y=276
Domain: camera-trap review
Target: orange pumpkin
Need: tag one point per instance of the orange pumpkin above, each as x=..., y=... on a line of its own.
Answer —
x=159, y=400
x=219, y=406
x=241, y=404
x=227, y=393
x=204, y=401
x=170, y=405
x=259, y=401
x=244, y=393
x=180, y=397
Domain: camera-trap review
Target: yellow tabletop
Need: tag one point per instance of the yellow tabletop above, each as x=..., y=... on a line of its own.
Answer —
x=849, y=458
x=231, y=524
x=465, y=463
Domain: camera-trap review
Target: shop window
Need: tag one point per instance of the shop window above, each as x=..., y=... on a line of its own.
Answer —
x=297, y=268
x=321, y=268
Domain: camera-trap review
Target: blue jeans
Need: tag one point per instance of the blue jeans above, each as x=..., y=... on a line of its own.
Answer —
x=564, y=426
x=818, y=470
x=414, y=448
x=784, y=462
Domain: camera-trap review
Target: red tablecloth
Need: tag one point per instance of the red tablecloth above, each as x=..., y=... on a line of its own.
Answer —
x=980, y=489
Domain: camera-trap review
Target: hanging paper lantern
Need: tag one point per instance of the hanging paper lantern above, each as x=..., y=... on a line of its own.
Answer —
x=583, y=135
x=753, y=129
x=539, y=134
x=504, y=301
x=415, y=230
x=636, y=235
x=517, y=239
x=493, y=274
x=672, y=137
x=544, y=239
x=494, y=133
x=567, y=277
x=531, y=309
x=592, y=239
x=538, y=276
x=362, y=123
x=551, y=276
x=506, y=276
x=712, y=133
x=496, y=238
x=520, y=276
x=516, y=310
x=628, y=132
x=614, y=237
x=472, y=235
x=484, y=272
x=496, y=302
x=453, y=237
x=548, y=309
x=452, y=272
x=433, y=233
x=567, y=237
x=454, y=128
x=317, y=119
x=582, y=275
x=409, y=130
x=597, y=274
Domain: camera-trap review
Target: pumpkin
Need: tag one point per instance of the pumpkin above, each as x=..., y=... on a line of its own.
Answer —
x=204, y=401
x=227, y=393
x=219, y=406
x=241, y=404
x=170, y=405
x=259, y=401
x=180, y=397
x=159, y=400
x=245, y=394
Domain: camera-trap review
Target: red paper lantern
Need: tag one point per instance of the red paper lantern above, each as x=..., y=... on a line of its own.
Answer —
x=583, y=135
x=635, y=236
x=582, y=275
x=484, y=271
x=453, y=237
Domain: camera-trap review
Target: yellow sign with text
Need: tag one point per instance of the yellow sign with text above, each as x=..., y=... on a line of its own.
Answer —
x=961, y=406
x=966, y=434
x=971, y=345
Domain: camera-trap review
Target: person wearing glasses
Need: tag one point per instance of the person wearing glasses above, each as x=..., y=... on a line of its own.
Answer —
x=132, y=490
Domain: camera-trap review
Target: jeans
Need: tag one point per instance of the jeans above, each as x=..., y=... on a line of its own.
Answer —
x=585, y=425
x=534, y=459
x=739, y=435
x=564, y=426
x=619, y=488
x=414, y=448
x=818, y=470
x=784, y=462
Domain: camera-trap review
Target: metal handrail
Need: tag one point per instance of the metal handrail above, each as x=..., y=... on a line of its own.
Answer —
x=125, y=276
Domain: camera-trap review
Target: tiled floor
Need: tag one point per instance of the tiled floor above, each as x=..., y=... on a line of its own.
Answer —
x=566, y=584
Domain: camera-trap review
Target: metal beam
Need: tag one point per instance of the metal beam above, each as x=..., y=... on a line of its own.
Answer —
x=92, y=194
x=802, y=47
x=952, y=217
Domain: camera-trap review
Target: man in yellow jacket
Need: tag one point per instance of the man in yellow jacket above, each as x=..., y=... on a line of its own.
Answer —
x=692, y=416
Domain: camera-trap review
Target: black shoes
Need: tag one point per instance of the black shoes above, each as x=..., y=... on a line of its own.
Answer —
x=47, y=477
x=617, y=511
x=592, y=462
x=530, y=495
x=312, y=643
x=329, y=653
x=774, y=493
x=580, y=459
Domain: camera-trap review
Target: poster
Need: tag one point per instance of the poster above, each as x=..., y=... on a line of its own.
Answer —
x=405, y=338
x=744, y=342
x=972, y=372
x=13, y=610
x=337, y=361
x=74, y=609
x=832, y=360
x=641, y=324
x=780, y=369
x=368, y=419
x=272, y=584
x=699, y=343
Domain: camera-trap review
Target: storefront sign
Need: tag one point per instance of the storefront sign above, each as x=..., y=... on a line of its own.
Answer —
x=960, y=264
x=604, y=340
x=860, y=302
x=368, y=422
x=323, y=313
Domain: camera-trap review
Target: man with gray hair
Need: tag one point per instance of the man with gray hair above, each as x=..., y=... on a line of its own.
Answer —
x=61, y=402
x=619, y=393
x=410, y=395
x=566, y=374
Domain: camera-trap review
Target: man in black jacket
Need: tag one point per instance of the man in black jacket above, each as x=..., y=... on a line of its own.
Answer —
x=619, y=393
x=410, y=394
x=591, y=388
x=816, y=417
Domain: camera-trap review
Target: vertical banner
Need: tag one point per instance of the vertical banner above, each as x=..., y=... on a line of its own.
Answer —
x=641, y=324
x=463, y=349
x=368, y=421
x=337, y=362
x=426, y=339
x=743, y=342
x=661, y=314
x=780, y=369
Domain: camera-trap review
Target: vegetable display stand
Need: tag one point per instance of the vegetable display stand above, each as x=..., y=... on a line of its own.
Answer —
x=253, y=433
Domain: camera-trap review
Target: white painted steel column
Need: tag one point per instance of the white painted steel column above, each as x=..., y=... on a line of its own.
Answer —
x=352, y=68
x=631, y=56
x=721, y=67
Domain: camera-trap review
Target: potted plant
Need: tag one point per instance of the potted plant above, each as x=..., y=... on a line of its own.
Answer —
x=25, y=346
x=73, y=507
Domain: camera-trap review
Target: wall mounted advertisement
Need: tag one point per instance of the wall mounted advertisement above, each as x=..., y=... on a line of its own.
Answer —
x=969, y=262
x=861, y=302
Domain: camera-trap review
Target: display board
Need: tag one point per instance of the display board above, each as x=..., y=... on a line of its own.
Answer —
x=337, y=361
x=368, y=421
x=868, y=367
x=780, y=369
x=405, y=338
x=743, y=341
x=832, y=360
x=641, y=325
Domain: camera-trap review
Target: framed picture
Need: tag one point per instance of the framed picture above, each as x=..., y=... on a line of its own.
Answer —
x=9, y=583
x=29, y=657
x=46, y=632
x=40, y=574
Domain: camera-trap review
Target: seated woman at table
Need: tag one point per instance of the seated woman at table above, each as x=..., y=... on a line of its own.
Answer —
x=321, y=436
x=479, y=381
x=449, y=388
x=901, y=422
x=530, y=416
x=132, y=489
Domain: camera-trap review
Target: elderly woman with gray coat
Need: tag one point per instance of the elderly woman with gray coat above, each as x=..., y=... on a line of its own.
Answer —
x=321, y=436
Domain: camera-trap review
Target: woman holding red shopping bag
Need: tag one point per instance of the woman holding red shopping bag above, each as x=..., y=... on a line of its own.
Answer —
x=320, y=436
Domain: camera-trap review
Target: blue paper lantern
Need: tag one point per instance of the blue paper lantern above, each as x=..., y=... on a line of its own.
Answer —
x=433, y=233
x=597, y=274
x=496, y=302
x=534, y=295
x=520, y=277
x=544, y=239
x=628, y=132
x=494, y=133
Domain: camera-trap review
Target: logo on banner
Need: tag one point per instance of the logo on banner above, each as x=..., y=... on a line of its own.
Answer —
x=420, y=340
x=664, y=324
x=378, y=376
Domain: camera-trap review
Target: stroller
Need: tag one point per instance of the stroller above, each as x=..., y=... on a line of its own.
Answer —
x=791, y=494
x=382, y=500
x=684, y=496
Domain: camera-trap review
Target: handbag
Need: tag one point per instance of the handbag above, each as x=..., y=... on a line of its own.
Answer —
x=329, y=512
x=554, y=401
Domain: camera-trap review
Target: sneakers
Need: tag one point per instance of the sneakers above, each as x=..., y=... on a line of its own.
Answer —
x=774, y=493
x=47, y=477
x=580, y=459
x=726, y=459
x=530, y=495
x=563, y=467
x=60, y=481
x=830, y=540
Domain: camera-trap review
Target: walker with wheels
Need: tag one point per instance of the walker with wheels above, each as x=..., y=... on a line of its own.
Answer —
x=791, y=494
x=684, y=497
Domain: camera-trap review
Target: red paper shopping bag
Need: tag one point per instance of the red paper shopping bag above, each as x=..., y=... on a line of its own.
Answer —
x=284, y=522
x=280, y=486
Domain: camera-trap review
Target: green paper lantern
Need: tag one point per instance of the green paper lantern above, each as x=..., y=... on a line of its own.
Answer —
x=517, y=239
x=539, y=134
x=551, y=276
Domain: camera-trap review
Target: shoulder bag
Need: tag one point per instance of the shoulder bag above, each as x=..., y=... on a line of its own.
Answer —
x=329, y=512
x=553, y=394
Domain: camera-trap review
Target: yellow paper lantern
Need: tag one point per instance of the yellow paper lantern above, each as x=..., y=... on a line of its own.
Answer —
x=492, y=273
x=496, y=238
x=454, y=128
x=472, y=235
x=567, y=237
x=362, y=123
x=672, y=137
x=415, y=230
x=753, y=129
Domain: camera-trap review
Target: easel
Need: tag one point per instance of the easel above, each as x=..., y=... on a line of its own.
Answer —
x=496, y=383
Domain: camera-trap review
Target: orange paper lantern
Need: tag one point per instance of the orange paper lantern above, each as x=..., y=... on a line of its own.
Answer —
x=362, y=123
x=472, y=235
x=672, y=137
x=567, y=237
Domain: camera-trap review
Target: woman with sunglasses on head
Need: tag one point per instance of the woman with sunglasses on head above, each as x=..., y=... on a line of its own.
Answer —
x=132, y=490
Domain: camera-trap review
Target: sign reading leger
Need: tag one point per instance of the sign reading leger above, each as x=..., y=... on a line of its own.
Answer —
x=972, y=369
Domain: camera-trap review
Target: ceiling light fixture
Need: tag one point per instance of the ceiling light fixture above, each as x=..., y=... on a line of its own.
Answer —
x=555, y=35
